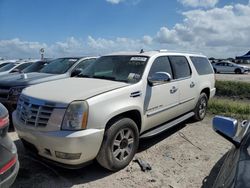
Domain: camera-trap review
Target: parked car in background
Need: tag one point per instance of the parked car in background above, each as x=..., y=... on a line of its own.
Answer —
x=13, y=67
x=34, y=67
x=229, y=67
x=9, y=164
x=12, y=86
x=102, y=112
x=235, y=170
x=3, y=64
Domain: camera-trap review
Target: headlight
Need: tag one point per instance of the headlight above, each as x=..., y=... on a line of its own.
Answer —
x=16, y=91
x=76, y=116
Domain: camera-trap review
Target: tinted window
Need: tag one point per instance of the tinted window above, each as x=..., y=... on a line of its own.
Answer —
x=161, y=64
x=3, y=64
x=180, y=66
x=59, y=66
x=202, y=65
x=35, y=67
x=7, y=67
x=118, y=68
x=23, y=66
x=221, y=64
x=84, y=64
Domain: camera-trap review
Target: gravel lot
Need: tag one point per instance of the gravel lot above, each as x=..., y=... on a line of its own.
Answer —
x=186, y=156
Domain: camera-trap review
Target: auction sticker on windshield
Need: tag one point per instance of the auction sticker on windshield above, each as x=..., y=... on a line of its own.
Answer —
x=138, y=59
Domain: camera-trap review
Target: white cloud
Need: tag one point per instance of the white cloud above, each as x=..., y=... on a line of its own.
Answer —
x=131, y=2
x=217, y=29
x=219, y=32
x=199, y=3
x=114, y=1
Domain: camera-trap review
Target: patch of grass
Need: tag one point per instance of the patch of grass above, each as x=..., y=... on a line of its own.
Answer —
x=233, y=89
x=226, y=107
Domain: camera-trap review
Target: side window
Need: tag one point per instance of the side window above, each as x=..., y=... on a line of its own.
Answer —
x=181, y=68
x=202, y=65
x=84, y=64
x=161, y=64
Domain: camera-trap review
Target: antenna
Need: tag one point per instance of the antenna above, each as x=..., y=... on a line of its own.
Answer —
x=142, y=51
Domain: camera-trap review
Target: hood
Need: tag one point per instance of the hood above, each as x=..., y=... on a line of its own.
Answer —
x=32, y=78
x=4, y=73
x=67, y=90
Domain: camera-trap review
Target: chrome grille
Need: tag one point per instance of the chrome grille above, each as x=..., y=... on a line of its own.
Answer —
x=33, y=114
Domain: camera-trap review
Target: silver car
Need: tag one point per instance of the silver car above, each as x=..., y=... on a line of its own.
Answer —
x=229, y=67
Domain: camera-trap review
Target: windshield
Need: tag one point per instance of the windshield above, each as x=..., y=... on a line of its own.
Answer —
x=59, y=66
x=35, y=67
x=127, y=69
x=7, y=67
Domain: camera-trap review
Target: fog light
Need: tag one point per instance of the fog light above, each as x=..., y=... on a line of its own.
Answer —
x=70, y=156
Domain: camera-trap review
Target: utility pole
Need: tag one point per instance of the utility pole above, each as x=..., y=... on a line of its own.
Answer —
x=42, y=53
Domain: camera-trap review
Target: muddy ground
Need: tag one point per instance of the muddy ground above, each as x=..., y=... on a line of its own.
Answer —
x=186, y=156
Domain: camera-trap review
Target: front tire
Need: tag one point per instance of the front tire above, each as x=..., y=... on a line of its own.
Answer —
x=201, y=107
x=119, y=145
x=237, y=71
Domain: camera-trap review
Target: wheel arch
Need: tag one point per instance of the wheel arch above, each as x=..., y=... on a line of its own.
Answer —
x=135, y=115
x=206, y=91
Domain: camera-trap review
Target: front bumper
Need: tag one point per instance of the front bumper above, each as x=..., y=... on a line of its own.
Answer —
x=6, y=183
x=212, y=92
x=87, y=142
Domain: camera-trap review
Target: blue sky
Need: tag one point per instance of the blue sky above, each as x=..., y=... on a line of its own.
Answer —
x=50, y=21
x=65, y=27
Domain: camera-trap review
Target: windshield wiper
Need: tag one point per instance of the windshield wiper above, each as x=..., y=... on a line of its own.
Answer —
x=120, y=80
x=104, y=77
x=84, y=76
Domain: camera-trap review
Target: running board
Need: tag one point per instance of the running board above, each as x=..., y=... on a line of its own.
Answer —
x=166, y=126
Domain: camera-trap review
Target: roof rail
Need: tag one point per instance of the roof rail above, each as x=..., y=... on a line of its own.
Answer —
x=179, y=51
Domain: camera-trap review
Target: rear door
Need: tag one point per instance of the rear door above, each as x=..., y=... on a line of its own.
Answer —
x=186, y=81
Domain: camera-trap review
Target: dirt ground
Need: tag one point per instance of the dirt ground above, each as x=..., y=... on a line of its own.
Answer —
x=186, y=156
x=234, y=77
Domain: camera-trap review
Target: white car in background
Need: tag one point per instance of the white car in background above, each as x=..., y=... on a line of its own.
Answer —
x=14, y=67
x=229, y=67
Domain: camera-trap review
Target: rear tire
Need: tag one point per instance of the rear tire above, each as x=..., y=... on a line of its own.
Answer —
x=119, y=145
x=215, y=70
x=201, y=107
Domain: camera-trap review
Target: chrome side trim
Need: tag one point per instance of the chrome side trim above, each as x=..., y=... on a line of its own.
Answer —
x=169, y=107
x=162, y=109
x=186, y=100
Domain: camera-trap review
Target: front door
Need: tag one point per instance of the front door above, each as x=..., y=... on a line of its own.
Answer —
x=161, y=102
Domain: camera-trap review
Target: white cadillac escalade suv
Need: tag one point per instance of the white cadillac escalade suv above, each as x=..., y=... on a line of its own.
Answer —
x=104, y=111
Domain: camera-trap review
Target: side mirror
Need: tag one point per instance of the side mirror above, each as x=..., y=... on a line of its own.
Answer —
x=227, y=128
x=159, y=78
x=76, y=72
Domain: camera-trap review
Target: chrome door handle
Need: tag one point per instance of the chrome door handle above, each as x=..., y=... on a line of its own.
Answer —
x=173, y=90
x=192, y=84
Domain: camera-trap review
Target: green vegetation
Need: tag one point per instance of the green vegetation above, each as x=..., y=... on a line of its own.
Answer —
x=232, y=100
x=233, y=89
x=237, y=109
